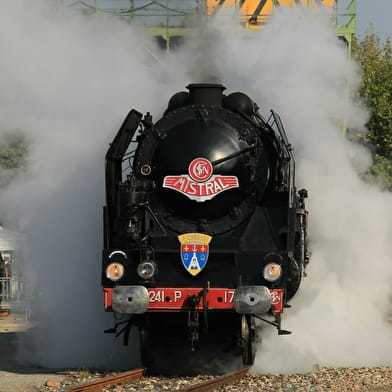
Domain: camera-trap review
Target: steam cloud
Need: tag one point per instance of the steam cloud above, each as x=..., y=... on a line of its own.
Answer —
x=298, y=67
x=67, y=83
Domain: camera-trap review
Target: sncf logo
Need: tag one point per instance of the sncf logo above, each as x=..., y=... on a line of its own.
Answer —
x=200, y=184
x=200, y=169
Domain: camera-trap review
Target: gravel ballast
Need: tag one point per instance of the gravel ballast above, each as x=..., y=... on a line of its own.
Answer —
x=365, y=379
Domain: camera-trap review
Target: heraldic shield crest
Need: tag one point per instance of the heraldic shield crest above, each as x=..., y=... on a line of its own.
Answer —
x=194, y=251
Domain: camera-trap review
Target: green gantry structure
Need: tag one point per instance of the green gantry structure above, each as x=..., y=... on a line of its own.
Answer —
x=170, y=20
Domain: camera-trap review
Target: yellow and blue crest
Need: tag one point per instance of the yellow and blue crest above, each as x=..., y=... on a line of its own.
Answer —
x=194, y=251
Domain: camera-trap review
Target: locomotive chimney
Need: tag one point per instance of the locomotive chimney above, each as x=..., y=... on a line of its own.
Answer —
x=206, y=93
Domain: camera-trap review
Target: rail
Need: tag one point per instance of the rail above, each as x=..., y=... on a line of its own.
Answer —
x=11, y=289
x=13, y=296
x=123, y=378
x=98, y=385
x=210, y=385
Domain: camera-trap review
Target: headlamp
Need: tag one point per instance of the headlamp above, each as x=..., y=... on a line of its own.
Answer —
x=114, y=271
x=146, y=269
x=272, y=272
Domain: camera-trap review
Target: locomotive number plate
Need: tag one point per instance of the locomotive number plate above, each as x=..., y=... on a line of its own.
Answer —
x=178, y=298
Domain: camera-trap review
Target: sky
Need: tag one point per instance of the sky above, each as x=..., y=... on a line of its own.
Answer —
x=377, y=13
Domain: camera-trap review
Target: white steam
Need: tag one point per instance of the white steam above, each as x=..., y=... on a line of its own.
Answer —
x=297, y=66
x=67, y=82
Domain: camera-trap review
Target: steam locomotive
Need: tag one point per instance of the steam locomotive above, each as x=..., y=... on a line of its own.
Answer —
x=204, y=230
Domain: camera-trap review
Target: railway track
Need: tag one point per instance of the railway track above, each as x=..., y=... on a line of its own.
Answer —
x=126, y=377
x=210, y=385
x=98, y=385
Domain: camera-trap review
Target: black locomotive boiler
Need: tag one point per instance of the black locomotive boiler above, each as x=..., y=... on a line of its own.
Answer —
x=204, y=230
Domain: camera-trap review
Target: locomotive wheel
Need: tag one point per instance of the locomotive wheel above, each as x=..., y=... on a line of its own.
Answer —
x=146, y=352
x=247, y=339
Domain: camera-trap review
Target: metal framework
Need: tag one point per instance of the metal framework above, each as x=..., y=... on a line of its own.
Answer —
x=12, y=295
x=170, y=19
x=346, y=22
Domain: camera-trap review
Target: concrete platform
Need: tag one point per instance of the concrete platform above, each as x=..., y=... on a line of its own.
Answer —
x=15, y=322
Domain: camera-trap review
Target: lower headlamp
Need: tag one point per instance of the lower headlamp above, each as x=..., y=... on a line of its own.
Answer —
x=114, y=271
x=146, y=269
x=272, y=272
